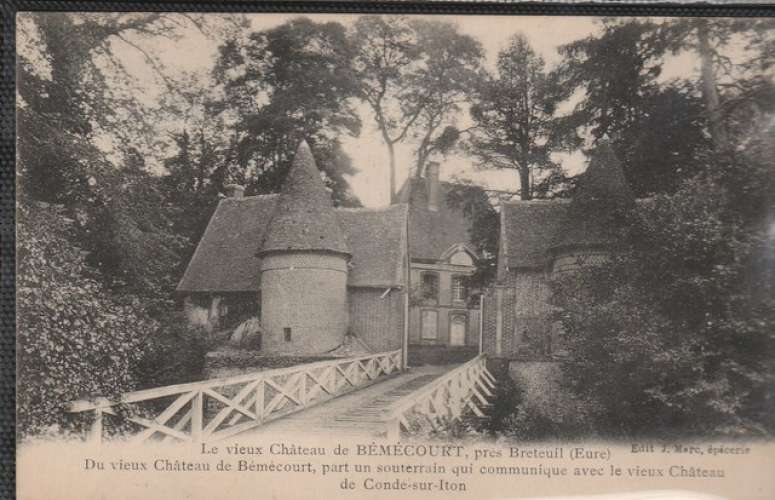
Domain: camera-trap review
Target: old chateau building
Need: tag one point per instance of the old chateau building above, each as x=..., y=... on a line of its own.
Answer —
x=444, y=322
x=393, y=278
x=542, y=240
x=312, y=273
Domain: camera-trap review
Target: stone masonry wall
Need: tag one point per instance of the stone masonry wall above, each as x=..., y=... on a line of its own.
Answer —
x=377, y=319
x=304, y=307
x=489, y=322
x=516, y=314
x=528, y=334
x=498, y=321
x=226, y=362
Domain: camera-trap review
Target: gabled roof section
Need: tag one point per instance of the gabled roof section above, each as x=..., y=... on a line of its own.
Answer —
x=225, y=259
x=378, y=242
x=304, y=218
x=431, y=233
x=528, y=231
x=459, y=247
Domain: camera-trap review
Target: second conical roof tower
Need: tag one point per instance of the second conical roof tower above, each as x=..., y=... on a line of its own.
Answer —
x=601, y=198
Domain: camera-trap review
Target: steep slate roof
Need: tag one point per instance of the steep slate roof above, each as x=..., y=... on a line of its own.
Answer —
x=226, y=259
x=378, y=242
x=304, y=218
x=529, y=230
x=431, y=233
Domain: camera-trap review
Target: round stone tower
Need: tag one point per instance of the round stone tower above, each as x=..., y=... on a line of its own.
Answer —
x=304, y=260
x=595, y=214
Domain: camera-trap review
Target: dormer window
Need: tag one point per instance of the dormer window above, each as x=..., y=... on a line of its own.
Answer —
x=461, y=258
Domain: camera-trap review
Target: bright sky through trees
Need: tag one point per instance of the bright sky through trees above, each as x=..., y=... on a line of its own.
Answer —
x=193, y=56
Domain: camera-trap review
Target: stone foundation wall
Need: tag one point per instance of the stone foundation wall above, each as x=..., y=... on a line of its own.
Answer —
x=230, y=362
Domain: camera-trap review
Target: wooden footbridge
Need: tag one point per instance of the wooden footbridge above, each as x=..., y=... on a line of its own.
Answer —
x=361, y=396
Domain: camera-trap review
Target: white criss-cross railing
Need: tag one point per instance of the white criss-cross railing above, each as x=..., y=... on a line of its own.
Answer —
x=217, y=408
x=442, y=401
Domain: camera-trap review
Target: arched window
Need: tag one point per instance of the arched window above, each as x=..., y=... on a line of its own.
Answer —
x=461, y=258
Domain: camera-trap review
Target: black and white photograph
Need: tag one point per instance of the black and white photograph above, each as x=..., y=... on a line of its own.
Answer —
x=522, y=231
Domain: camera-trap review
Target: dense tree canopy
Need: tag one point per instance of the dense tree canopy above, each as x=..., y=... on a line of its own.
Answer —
x=657, y=130
x=516, y=126
x=452, y=62
x=69, y=107
x=286, y=84
x=674, y=334
x=69, y=326
x=386, y=54
x=415, y=75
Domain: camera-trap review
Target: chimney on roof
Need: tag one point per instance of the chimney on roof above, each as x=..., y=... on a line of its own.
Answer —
x=432, y=185
x=234, y=190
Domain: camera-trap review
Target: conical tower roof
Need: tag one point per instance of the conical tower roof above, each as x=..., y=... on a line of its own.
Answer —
x=602, y=196
x=304, y=218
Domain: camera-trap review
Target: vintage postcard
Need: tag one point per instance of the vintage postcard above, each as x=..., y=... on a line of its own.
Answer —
x=383, y=255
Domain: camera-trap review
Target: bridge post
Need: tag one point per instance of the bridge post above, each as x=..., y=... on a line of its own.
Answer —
x=303, y=389
x=259, y=405
x=197, y=411
x=95, y=433
x=394, y=429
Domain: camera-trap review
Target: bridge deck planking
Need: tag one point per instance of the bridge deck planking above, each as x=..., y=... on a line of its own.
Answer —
x=357, y=414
